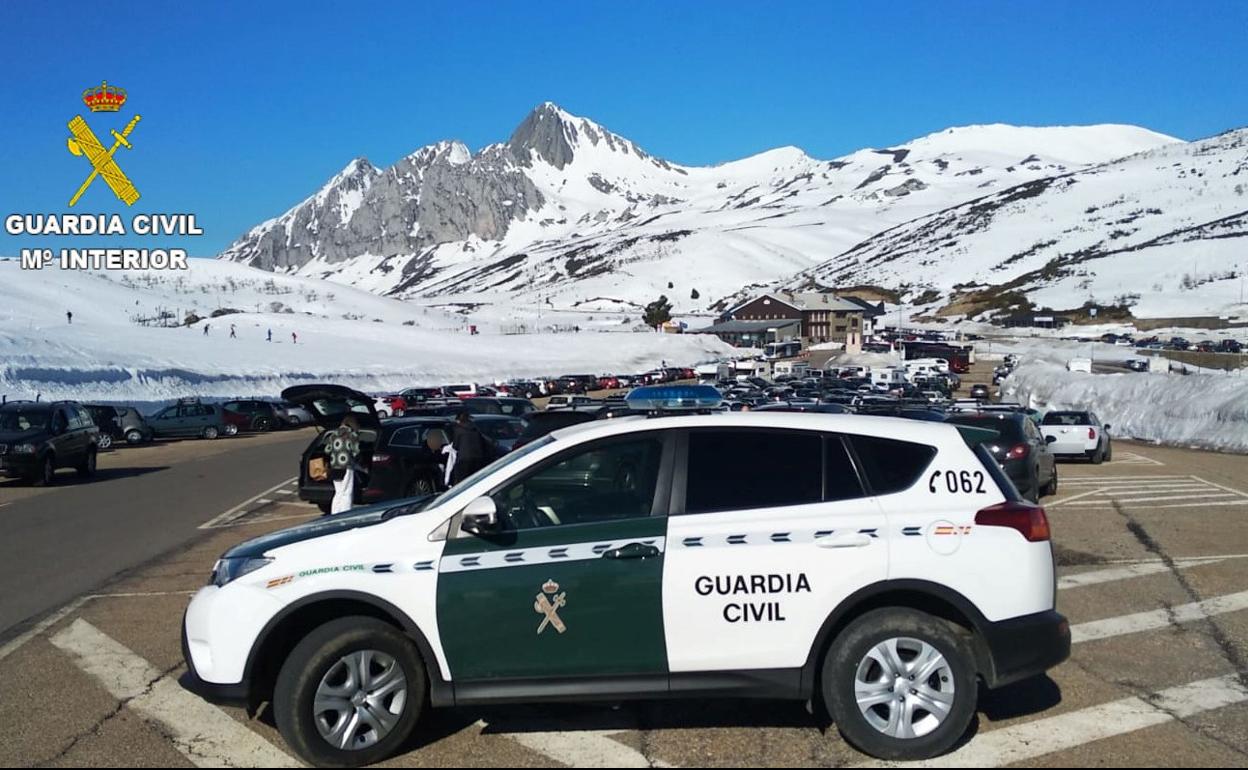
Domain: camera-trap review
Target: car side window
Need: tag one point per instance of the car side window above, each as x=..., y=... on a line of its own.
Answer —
x=602, y=481
x=890, y=465
x=742, y=469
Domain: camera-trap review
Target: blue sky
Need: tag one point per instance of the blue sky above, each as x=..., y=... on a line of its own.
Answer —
x=248, y=107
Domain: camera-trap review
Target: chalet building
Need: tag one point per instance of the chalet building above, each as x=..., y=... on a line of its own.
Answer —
x=817, y=318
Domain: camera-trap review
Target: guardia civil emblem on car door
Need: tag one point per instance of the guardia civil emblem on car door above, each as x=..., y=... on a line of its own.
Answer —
x=548, y=603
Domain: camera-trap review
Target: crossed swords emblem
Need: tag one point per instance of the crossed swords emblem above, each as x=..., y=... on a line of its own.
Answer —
x=550, y=608
x=84, y=142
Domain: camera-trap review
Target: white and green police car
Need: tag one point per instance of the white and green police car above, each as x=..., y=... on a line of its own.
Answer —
x=877, y=566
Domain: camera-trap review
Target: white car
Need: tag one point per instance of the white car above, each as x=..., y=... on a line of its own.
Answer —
x=885, y=570
x=1077, y=434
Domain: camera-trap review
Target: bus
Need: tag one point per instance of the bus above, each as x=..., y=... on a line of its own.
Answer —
x=960, y=357
x=782, y=349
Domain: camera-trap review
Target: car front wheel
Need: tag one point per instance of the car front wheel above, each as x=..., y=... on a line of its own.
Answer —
x=210, y=433
x=350, y=693
x=46, y=476
x=900, y=684
x=87, y=468
x=106, y=441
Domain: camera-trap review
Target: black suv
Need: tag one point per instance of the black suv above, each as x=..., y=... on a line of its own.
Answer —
x=38, y=438
x=1019, y=448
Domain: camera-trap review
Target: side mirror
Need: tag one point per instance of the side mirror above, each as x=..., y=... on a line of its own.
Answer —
x=1107, y=426
x=480, y=516
x=1050, y=439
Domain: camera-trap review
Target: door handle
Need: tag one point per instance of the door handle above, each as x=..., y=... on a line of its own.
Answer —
x=632, y=551
x=847, y=540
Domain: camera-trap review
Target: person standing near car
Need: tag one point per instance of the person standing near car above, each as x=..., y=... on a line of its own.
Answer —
x=471, y=451
x=343, y=446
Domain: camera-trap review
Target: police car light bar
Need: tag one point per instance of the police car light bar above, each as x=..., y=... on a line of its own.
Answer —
x=673, y=398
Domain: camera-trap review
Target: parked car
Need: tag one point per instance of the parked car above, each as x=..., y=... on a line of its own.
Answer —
x=190, y=419
x=1019, y=448
x=502, y=431
x=292, y=415
x=1230, y=346
x=980, y=392
x=108, y=421
x=539, y=424
x=570, y=402
x=38, y=438
x=251, y=416
x=134, y=427
x=510, y=406
x=1078, y=434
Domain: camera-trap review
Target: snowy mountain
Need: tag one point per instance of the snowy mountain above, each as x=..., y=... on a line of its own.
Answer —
x=1161, y=232
x=568, y=214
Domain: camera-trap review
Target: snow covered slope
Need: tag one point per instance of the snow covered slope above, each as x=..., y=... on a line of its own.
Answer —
x=1162, y=232
x=345, y=335
x=570, y=214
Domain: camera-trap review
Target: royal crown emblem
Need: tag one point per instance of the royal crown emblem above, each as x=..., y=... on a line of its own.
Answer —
x=104, y=98
x=550, y=587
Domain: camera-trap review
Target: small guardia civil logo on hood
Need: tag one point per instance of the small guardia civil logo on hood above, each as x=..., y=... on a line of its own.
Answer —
x=103, y=98
x=548, y=603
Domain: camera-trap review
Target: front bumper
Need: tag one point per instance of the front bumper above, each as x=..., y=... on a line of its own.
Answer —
x=18, y=465
x=219, y=629
x=1020, y=648
x=238, y=694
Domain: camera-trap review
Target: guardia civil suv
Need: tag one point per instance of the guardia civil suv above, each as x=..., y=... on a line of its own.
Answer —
x=882, y=568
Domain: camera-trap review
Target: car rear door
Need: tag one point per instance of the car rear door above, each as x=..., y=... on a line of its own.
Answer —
x=570, y=584
x=770, y=530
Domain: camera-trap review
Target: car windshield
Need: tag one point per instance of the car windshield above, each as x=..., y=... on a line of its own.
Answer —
x=24, y=419
x=457, y=491
x=1067, y=418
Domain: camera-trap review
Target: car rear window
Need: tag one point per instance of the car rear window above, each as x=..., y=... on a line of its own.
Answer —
x=745, y=469
x=1067, y=418
x=891, y=465
x=1009, y=428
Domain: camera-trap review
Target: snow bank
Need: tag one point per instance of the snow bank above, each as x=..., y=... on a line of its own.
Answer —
x=1208, y=411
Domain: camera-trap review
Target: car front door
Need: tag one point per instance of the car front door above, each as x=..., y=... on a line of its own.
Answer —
x=570, y=582
x=770, y=530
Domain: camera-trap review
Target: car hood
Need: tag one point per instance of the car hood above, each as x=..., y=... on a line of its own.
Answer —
x=324, y=526
x=330, y=404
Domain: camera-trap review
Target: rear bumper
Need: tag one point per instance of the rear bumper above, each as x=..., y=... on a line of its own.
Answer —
x=1020, y=648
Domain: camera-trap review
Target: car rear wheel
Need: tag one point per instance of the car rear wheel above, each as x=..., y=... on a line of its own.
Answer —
x=1109, y=451
x=382, y=414
x=1098, y=456
x=1050, y=489
x=210, y=433
x=421, y=486
x=264, y=425
x=350, y=693
x=134, y=437
x=900, y=684
x=87, y=468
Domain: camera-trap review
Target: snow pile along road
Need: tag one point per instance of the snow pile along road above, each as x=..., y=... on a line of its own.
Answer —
x=1209, y=411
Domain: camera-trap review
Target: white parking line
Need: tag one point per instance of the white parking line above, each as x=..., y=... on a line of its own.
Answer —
x=202, y=733
x=1132, y=458
x=1030, y=740
x=1139, y=569
x=1148, y=492
x=1154, y=619
x=240, y=510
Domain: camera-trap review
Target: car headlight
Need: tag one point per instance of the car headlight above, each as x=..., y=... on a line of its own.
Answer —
x=228, y=570
x=24, y=449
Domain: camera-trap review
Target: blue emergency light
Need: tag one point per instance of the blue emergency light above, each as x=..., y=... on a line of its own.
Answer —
x=673, y=398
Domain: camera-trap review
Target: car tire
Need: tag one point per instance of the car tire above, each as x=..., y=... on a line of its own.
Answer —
x=134, y=437
x=86, y=469
x=46, y=475
x=210, y=432
x=326, y=662
x=382, y=414
x=1109, y=451
x=105, y=442
x=886, y=648
x=421, y=486
x=263, y=425
x=1050, y=489
x=1098, y=456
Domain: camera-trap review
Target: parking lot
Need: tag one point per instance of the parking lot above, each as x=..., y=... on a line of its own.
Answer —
x=1153, y=554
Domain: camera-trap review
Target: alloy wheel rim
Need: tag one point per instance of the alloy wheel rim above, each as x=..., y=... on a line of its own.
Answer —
x=360, y=700
x=904, y=688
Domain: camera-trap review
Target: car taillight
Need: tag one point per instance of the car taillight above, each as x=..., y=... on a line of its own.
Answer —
x=1017, y=452
x=1091, y=434
x=1029, y=520
x=381, y=459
